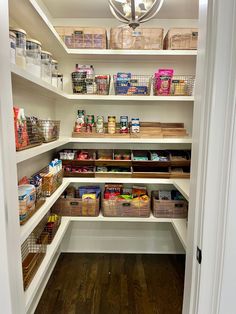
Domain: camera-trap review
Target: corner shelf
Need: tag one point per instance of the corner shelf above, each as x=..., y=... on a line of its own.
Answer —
x=183, y=186
x=26, y=79
x=37, y=150
x=180, y=227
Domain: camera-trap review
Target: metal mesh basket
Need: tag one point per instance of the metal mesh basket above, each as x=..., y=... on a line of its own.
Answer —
x=31, y=136
x=180, y=85
x=32, y=254
x=89, y=84
x=134, y=85
x=49, y=226
x=50, y=130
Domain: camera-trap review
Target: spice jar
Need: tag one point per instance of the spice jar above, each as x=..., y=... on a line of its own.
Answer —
x=12, y=37
x=33, y=56
x=46, y=66
x=111, y=125
x=20, y=46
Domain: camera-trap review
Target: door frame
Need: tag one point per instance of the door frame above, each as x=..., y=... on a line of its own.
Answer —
x=208, y=286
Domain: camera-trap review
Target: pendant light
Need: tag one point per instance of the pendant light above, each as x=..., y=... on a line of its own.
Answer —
x=135, y=12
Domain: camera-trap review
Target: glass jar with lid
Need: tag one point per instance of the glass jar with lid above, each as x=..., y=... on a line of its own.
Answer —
x=33, y=56
x=20, y=46
x=46, y=66
x=54, y=66
x=12, y=38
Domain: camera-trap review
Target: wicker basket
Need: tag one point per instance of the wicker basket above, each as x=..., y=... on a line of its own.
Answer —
x=168, y=208
x=181, y=38
x=77, y=207
x=32, y=255
x=83, y=37
x=126, y=208
x=141, y=38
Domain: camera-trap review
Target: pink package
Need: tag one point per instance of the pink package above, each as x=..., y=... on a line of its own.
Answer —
x=163, y=81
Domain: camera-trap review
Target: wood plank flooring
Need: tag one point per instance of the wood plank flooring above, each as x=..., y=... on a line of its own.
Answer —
x=114, y=284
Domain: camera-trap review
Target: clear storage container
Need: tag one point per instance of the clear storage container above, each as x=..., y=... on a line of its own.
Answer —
x=12, y=38
x=33, y=57
x=46, y=66
x=54, y=66
x=20, y=46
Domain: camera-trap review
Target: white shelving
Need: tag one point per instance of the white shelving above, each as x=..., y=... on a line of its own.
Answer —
x=41, y=272
x=37, y=150
x=173, y=140
x=183, y=185
x=180, y=226
x=29, y=226
x=21, y=76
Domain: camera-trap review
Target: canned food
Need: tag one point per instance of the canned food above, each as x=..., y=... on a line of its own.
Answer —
x=90, y=119
x=100, y=124
x=124, y=124
x=111, y=124
x=135, y=125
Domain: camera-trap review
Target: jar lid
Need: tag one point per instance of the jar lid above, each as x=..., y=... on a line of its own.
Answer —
x=46, y=53
x=34, y=41
x=59, y=74
x=12, y=34
x=54, y=61
x=20, y=30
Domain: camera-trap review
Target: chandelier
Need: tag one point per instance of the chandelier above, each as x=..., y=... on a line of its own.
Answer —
x=135, y=12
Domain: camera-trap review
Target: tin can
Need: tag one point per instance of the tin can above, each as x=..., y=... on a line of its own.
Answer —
x=90, y=119
x=89, y=123
x=111, y=125
x=135, y=125
x=100, y=124
x=124, y=124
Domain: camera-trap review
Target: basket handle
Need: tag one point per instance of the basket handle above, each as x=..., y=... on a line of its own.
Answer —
x=179, y=205
x=126, y=204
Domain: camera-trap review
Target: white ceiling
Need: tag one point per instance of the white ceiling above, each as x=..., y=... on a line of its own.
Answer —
x=178, y=9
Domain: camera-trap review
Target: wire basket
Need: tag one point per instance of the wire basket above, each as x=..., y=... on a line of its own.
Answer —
x=50, y=130
x=132, y=85
x=29, y=137
x=180, y=85
x=49, y=226
x=90, y=84
x=32, y=254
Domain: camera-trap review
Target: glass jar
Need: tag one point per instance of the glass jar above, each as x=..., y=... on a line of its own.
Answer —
x=60, y=81
x=12, y=37
x=46, y=66
x=20, y=46
x=54, y=66
x=33, y=57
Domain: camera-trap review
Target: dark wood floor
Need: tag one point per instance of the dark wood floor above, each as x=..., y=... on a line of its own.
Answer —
x=114, y=284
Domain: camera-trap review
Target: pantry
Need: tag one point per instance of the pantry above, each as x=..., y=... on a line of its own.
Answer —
x=104, y=139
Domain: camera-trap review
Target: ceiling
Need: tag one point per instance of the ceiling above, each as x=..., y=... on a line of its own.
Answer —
x=178, y=9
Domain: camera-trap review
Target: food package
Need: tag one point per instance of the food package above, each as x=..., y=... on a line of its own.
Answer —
x=141, y=38
x=21, y=135
x=163, y=81
x=181, y=38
